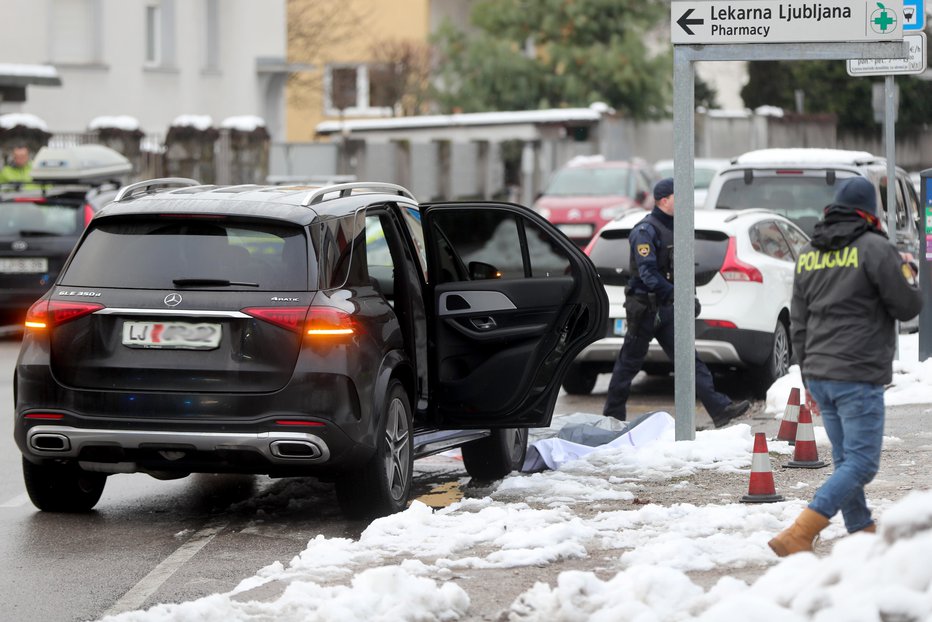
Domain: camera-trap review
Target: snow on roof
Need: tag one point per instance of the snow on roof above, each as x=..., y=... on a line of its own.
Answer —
x=13, y=119
x=582, y=160
x=28, y=71
x=804, y=156
x=728, y=114
x=120, y=122
x=769, y=111
x=243, y=123
x=554, y=115
x=198, y=122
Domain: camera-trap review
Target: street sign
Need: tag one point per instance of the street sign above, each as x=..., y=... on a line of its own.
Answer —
x=914, y=15
x=760, y=21
x=914, y=63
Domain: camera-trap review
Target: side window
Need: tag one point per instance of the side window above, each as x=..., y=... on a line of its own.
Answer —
x=412, y=220
x=484, y=244
x=795, y=237
x=379, y=264
x=902, y=208
x=342, y=252
x=767, y=239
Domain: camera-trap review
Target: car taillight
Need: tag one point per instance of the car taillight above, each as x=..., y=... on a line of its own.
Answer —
x=291, y=318
x=88, y=214
x=720, y=324
x=48, y=313
x=312, y=321
x=733, y=269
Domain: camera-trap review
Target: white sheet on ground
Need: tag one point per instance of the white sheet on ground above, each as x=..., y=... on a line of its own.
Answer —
x=551, y=453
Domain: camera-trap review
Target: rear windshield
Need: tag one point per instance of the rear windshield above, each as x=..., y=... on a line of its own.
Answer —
x=28, y=218
x=195, y=254
x=589, y=181
x=611, y=255
x=800, y=198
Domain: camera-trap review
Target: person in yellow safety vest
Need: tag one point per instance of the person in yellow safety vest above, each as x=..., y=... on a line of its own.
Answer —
x=19, y=171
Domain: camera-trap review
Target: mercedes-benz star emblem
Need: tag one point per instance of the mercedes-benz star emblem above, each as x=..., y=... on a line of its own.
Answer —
x=173, y=299
x=20, y=245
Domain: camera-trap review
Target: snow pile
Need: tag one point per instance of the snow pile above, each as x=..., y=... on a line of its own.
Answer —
x=119, y=122
x=14, y=119
x=29, y=71
x=198, y=122
x=244, y=123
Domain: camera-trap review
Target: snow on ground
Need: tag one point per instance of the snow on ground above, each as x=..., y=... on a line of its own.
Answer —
x=402, y=567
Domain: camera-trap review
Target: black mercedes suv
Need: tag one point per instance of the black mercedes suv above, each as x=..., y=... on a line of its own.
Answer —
x=338, y=332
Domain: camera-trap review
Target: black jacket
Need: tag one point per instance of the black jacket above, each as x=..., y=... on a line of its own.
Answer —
x=851, y=284
x=651, y=262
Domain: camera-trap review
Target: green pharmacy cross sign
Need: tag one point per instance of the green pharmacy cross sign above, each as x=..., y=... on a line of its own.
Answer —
x=883, y=20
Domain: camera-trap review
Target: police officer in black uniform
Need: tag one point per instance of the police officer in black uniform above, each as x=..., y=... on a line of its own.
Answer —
x=649, y=313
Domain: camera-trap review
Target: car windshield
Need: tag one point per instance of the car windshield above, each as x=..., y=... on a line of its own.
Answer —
x=145, y=253
x=798, y=197
x=589, y=181
x=35, y=218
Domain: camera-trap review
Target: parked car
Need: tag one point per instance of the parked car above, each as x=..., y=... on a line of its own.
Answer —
x=800, y=183
x=705, y=170
x=745, y=262
x=337, y=332
x=589, y=192
x=39, y=226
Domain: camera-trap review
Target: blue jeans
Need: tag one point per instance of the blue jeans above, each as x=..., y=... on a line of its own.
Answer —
x=853, y=415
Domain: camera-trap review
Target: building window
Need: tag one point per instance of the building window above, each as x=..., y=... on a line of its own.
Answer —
x=75, y=32
x=153, y=34
x=360, y=90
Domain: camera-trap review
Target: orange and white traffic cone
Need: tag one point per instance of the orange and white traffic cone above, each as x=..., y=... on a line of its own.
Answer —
x=761, y=489
x=812, y=404
x=790, y=418
x=805, y=453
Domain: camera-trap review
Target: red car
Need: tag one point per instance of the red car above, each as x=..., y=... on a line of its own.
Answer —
x=590, y=192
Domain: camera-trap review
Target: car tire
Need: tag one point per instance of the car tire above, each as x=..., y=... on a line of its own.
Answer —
x=777, y=364
x=496, y=455
x=579, y=380
x=62, y=488
x=383, y=485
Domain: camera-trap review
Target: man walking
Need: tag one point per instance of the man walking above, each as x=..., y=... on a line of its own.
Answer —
x=649, y=313
x=851, y=285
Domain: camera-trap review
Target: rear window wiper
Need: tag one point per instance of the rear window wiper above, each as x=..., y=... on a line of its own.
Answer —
x=211, y=283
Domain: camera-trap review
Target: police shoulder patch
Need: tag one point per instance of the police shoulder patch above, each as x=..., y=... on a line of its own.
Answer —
x=908, y=274
x=643, y=250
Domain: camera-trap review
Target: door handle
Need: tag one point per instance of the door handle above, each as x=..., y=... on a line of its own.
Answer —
x=483, y=323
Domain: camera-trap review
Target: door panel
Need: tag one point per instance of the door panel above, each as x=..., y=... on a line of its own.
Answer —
x=501, y=345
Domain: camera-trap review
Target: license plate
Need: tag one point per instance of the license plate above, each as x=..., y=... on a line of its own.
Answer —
x=576, y=231
x=619, y=327
x=171, y=335
x=24, y=265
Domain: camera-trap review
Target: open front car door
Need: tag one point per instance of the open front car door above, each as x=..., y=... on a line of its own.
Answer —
x=513, y=301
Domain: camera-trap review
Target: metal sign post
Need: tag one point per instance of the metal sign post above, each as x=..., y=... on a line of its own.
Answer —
x=684, y=55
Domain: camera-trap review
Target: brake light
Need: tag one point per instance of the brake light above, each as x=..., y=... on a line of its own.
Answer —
x=88, y=214
x=733, y=269
x=312, y=321
x=329, y=322
x=789, y=172
x=45, y=416
x=48, y=313
x=312, y=424
x=720, y=324
x=290, y=318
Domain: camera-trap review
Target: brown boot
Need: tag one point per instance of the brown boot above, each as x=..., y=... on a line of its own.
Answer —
x=800, y=535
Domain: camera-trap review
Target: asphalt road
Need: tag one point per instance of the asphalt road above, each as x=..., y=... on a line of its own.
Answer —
x=151, y=541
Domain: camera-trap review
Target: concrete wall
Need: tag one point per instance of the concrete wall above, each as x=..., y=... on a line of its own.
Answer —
x=112, y=77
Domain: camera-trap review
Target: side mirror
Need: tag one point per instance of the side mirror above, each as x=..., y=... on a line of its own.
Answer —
x=479, y=270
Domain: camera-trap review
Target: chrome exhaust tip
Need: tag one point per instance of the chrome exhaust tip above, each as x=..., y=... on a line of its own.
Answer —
x=50, y=442
x=295, y=449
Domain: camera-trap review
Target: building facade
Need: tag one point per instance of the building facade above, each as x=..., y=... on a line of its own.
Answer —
x=154, y=60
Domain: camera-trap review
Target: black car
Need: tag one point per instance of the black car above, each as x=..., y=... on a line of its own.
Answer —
x=40, y=222
x=337, y=332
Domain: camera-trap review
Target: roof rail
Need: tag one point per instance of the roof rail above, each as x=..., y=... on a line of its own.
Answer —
x=749, y=210
x=345, y=190
x=145, y=186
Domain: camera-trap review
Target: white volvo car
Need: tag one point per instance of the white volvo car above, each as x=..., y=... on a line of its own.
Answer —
x=745, y=261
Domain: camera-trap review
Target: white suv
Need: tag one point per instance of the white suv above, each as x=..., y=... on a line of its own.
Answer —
x=744, y=279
